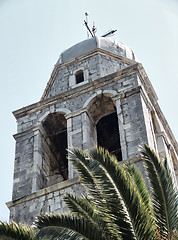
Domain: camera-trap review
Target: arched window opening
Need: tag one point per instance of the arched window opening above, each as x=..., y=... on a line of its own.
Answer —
x=103, y=113
x=55, y=162
x=79, y=76
x=108, y=134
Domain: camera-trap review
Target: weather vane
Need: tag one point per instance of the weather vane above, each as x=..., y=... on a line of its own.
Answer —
x=92, y=31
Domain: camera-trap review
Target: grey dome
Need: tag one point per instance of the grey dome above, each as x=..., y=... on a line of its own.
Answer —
x=107, y=44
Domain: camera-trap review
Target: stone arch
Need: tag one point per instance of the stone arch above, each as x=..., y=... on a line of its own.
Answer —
x=102, y=113
x=100, y=106
x=109, y=93
x=60, y=110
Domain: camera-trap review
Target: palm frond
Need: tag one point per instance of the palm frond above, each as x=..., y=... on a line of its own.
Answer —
x=16, y=231
x=81, y=206
x=172, y=200
x=56, y=233
x=138, y=214
x=81, y=161
x=105, y=196
x=163, y=193
x=139, y=182
x=49, y=223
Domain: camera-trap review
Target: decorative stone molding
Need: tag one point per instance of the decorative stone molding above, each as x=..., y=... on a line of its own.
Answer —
x=43, y=192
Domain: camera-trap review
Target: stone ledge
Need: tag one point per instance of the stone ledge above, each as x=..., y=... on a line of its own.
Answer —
x=132, y=69
x=58, y=186
x=132, y=160
x=43, y=192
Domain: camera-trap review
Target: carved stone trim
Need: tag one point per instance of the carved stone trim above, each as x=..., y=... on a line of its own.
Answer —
x=43, y=192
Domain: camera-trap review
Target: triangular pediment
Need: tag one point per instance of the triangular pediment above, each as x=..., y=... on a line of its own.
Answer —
x=94, y=64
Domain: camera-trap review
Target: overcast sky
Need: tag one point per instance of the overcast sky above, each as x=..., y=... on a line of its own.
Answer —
x=33, y=33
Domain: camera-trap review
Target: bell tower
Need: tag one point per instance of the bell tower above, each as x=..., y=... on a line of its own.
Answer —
x=98, y=94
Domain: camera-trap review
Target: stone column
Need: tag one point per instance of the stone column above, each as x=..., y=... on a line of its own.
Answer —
x=121, y=129
x=74, y=136
x=89, y=132
x=37, y=161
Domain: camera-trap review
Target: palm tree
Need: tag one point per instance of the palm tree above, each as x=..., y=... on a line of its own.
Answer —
x=14, y=231
x=117, y=204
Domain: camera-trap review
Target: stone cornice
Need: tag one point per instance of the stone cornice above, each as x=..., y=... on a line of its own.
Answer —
x=77, y=91
x=43, y=192
x=78, y=112
x=146, y=83
x=59, y=186
x=28, y=131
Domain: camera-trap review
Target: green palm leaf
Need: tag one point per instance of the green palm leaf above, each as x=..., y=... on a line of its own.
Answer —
x=14, y=231
x=56, y=233
x=139, y=214
x=163, y=194
x=105, y=196
x=83, y=207
x=138, y=181
x=54, y=225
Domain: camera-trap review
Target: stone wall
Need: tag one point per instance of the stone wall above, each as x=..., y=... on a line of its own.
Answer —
x=48, y=200
x=94, y=67
x=23, y=165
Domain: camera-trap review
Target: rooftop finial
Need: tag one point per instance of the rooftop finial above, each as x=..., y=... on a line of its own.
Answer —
x=92, y=31
x=86, y=20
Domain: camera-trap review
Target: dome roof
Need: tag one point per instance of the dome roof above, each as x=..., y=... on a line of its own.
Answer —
x=107, y=44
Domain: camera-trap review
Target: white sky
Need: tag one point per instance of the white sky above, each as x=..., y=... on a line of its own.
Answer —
x=34, y=32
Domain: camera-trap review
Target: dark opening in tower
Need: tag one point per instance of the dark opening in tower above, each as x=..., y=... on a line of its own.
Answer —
x=79, y=76
x=103, y=114
x=55, y=126
x=108, y=134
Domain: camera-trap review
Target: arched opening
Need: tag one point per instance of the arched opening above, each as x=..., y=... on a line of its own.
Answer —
x=79, y=76
x=103, y=113
x=55, y=163
x=108, y=134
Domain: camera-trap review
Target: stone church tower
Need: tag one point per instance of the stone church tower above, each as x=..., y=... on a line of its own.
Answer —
x=97, y=94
